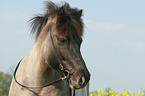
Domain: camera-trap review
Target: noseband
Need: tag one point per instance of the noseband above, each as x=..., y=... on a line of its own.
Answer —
x=64, y=78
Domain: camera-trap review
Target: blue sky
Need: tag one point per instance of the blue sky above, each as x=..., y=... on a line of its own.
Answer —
x=114, y=39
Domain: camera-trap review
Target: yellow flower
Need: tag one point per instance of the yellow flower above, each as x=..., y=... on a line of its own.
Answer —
x=100, y=89
x=112, y=91
x=118, y=94
x=91, y=94
x=141, y=89
x=95, y=94
x=105, y=93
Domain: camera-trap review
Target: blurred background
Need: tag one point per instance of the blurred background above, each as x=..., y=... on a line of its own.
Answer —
x=113, y=44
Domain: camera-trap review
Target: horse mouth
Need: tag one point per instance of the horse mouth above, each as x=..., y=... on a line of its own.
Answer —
x=74, y=85
x=76, y=81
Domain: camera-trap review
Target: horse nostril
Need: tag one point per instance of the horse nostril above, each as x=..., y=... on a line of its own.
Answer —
x=82, y=81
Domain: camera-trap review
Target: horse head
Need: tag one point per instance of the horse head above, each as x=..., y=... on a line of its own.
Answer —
x=60, y=31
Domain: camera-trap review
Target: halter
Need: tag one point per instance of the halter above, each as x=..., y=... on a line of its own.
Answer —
x=64, y=78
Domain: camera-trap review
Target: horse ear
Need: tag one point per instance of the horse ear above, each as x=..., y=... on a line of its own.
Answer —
x=51, y=7
x=80, y=13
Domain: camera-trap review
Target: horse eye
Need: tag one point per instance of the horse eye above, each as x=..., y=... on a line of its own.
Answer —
x=62, y=40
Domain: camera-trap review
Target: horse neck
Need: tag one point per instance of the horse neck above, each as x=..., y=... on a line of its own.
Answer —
x=40, y=55
x=39, y=62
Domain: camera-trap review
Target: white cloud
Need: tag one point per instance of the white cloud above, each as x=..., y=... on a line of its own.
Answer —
x=140, y=45
x=137, y=47
x=104, y=26
x=115, y=35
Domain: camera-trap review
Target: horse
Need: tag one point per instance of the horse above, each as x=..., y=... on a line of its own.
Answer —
x=54, y=66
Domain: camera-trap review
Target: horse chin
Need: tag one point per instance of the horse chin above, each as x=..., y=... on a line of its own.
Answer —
x=73, y=85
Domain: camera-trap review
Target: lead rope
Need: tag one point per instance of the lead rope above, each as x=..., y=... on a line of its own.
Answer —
x=20, y=83
x=29, y=88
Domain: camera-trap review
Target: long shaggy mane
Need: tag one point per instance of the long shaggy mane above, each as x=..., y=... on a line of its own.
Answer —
x=68, y=20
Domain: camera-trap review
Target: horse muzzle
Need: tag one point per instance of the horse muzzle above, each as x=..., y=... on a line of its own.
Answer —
x=79, y=79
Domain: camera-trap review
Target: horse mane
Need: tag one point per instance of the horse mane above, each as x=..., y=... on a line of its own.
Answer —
x=67, y=19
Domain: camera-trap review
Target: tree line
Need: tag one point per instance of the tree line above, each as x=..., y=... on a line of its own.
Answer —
x=5, y=81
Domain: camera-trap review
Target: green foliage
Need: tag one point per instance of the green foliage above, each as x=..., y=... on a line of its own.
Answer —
x=107, y=89
x=5, y=81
